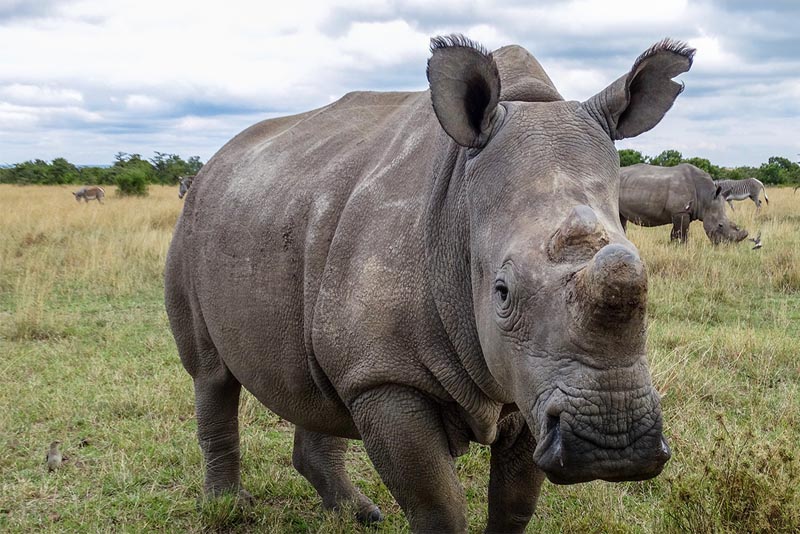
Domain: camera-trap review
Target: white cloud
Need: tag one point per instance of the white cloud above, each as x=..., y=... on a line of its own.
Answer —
x=125, y=75
x=379, y=44
x=33, y=118
x=37, y=95
x=596, y=17
x=144, y=104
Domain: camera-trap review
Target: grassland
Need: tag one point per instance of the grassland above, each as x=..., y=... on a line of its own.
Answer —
x=86, y=357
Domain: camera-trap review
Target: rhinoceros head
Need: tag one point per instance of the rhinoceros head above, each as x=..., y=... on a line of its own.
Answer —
x=559, y=293
x=719, y=228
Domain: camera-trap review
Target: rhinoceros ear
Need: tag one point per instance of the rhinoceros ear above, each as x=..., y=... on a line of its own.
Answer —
x=639, y=100
x=465, y=89
x=719, y=192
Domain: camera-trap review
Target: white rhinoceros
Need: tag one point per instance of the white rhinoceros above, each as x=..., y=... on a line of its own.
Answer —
x=421, y=276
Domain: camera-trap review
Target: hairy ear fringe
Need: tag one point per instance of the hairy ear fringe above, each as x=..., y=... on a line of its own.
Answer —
x=457, y=40
x=668, y=45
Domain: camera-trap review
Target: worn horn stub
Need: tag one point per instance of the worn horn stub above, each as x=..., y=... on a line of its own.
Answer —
x=579, y=237
x=613, y=286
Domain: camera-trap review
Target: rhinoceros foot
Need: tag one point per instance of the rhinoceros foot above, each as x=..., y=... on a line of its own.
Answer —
x=370, y=515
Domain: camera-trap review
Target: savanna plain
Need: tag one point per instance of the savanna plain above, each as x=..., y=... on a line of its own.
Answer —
x=86, y=357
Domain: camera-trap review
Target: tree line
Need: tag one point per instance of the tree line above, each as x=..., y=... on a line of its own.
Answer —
x=129, y=172
x=132, y=174
x=777, y=170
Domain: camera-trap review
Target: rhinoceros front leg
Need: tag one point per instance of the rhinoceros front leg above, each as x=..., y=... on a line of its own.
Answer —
x=514, y=479
x=321, y=460
x=404, y=436
x=680, y=227
x=217, y=410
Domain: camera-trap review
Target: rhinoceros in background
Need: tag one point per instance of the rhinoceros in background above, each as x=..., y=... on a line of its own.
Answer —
x=650, y=195
x=420, y=277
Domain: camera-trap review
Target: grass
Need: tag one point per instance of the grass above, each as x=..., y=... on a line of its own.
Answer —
x=86, y=357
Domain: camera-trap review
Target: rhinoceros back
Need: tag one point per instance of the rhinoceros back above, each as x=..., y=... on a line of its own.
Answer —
x=649, y=195
x=284, y=219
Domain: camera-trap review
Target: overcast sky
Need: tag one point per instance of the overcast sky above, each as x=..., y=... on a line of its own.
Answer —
x=85, y=79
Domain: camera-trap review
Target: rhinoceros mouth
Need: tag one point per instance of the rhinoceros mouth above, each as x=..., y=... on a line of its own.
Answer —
x=643, y=460
x=583, y=437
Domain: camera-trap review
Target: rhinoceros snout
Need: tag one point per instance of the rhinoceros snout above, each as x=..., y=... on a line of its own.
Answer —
x=599, y=441
x=565, y=459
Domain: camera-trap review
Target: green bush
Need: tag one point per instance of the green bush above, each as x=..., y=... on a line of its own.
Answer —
x=628, y=157
x=132, y=182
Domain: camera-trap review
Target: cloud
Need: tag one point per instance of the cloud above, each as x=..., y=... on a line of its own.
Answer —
x=37, y=95
x=95, y=77
x=12, y=10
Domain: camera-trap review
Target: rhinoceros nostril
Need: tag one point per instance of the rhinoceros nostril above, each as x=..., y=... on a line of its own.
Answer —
x=549, y=453
x=664, y=453
x=553, y=421
x=556, y=447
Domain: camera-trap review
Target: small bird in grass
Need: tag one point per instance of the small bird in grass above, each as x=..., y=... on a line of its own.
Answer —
x=54, y=456
x=757, y=241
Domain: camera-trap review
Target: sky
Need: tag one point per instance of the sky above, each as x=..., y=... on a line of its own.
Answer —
x=86, y=79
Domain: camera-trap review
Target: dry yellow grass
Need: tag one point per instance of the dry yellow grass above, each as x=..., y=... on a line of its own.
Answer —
x=52, y=243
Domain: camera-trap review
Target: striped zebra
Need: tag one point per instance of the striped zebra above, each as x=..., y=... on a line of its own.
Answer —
x=90, y=193
x=743, y=189
x=186, y=183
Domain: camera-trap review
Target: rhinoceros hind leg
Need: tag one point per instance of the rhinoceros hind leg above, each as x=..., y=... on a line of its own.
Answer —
x=216, y=390
x=321, y=460
x=217, y=410
x=514, y=479
x=406, y=440
x=680, y=227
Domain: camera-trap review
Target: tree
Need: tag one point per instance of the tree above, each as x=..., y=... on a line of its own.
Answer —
x=165, y=169
x=704, y=164
x=628, y=157
x=194, y=165
x=779, y=170
x=668, y=158
x=132, y=181
x=736, y=173
x=63, y=172
x=170, y=167
x=125, y=162
x=30, y=172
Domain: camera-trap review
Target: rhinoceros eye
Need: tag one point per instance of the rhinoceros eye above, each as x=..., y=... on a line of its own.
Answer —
x=501, y=290
x=502, y=299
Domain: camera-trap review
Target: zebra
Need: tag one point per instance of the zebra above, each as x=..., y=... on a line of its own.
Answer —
x=186, y=183
x=90, y=192
x=742, y=189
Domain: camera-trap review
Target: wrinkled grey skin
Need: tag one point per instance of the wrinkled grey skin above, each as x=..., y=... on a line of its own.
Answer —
x=650, y=195
x=185, y=184
x=422, y=277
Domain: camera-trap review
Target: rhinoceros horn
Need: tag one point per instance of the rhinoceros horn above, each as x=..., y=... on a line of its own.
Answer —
x=609, y=296
x=579, y=237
